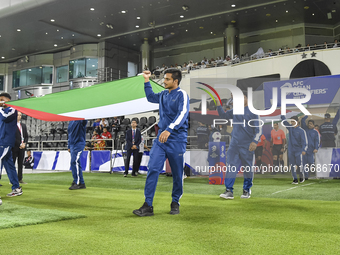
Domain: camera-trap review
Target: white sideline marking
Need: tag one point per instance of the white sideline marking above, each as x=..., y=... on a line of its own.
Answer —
x=292, y=188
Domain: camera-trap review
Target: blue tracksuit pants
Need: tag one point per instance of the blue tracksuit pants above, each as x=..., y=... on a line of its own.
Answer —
x=307, y=159
x=239, y=155
x=295, y=164
x=174, y=152
x=77, y=172
x=6, y=160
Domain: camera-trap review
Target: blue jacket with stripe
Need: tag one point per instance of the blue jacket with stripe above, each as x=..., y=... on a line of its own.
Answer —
x=243, y=133
x=173, y=111
x=313, y=136
x=297, y=138
x=77, y=133
x=8, y=126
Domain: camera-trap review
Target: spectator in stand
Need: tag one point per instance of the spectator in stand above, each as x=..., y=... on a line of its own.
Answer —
x=202, y=133
x=325, y=45
x=260, y=149
x=317, y=128
x=191, y=64
x=103, y=123
x=336, y=44
x=18, y=151
x=29, y=160
x=115, y=125
x=177, y=66
x=97, y=142
x=107, y=135
x=133, y=139
x=313, y=141
x=96, y=125
x=307, y=47
x=185, y=67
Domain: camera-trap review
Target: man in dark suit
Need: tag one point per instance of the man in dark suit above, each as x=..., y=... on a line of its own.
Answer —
x=133, y=139
x=18, y=151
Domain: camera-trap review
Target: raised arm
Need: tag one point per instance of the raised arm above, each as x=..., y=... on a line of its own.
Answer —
x=336, y=118
x=285, y=122
x=150, y=95
x=303, y=122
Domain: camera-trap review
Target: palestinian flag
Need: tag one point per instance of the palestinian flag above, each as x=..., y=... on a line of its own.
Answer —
x=116, y=98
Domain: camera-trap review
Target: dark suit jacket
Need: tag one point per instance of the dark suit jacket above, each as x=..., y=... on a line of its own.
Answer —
x=128, y=138
x=18, y=136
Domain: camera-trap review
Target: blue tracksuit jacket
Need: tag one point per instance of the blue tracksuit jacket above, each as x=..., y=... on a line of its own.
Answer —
x=297, y=138
x=8, y=126
x=313, y=136
x=77, y=133
x=173, y=110
x=242, y=134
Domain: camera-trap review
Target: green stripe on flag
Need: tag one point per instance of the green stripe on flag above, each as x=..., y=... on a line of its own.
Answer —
x=108, y=93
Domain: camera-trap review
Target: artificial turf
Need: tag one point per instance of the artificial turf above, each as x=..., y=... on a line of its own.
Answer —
x=279, y=218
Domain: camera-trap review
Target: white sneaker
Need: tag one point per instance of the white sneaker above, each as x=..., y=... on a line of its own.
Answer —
x=15, y=192
x=227, y=195
x=0, y=201
x=246, y=194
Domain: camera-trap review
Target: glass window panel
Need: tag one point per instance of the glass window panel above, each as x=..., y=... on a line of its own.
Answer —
x=16, y=79
x=1, y=82
x=47, y=75
x=77, y=68
x=91, y=67
x=23, y=78
x=62, y=72
x=33, y=76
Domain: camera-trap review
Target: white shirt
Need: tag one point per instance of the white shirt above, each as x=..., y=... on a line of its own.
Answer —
x=20, y=128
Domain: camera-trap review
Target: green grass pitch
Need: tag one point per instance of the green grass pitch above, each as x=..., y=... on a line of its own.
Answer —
x=279, y=218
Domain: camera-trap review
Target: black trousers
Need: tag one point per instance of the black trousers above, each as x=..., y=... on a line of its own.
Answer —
x=18, y=154
x=135, y=166
x=140, y=156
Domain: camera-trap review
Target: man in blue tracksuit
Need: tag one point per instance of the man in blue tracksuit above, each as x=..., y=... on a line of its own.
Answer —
x=76, y=144
x=171, y=141
x=297, y=147
x=244, y=139
x=8, y=127
x=313, y=139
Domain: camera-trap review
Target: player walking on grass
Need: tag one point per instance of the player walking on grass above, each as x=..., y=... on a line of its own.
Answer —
x=244, y=139
x=8, y=127
x=297, y=147
x=171, y=141
x=76, y=144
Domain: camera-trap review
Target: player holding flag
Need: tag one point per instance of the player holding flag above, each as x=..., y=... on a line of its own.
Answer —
x=171, y=141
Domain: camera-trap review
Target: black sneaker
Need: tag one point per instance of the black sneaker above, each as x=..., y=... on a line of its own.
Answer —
x=306, y=179
x=295, y=181
x=174, y=208
x=125, y=175
x=302, y=180
x=145, y=210
x=81, y=186
x=76, y=186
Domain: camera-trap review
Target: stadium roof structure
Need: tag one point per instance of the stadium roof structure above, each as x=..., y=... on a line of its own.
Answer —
x=116, y=98
x=31, y=27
